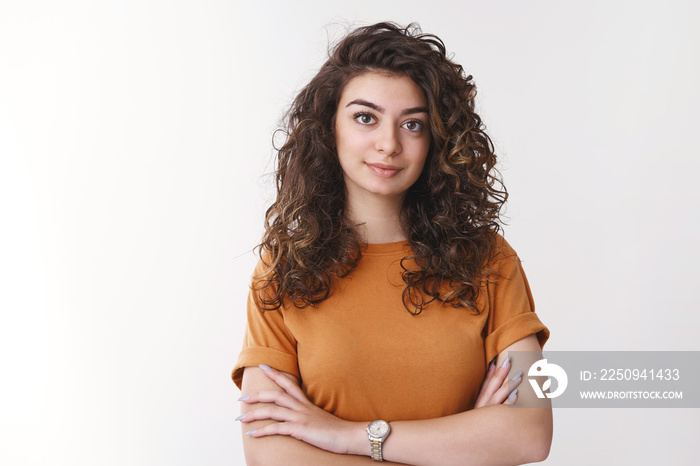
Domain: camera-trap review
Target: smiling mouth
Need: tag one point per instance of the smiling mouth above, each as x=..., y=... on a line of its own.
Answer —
x=385, y=171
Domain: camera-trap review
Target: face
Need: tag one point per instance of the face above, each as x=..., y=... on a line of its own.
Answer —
x=382, y=135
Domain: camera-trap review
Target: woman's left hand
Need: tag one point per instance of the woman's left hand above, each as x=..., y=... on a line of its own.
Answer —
x=298, y=417
x=496, y=389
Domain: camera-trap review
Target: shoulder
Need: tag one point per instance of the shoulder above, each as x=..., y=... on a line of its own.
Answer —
x=264, y=281
x=504, y=261
x=502, y=250
x=502, y=246
x=265, y=266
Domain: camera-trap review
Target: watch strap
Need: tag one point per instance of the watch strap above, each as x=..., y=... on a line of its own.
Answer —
x=375, y=446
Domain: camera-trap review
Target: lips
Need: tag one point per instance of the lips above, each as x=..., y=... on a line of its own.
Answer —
x=384, y=170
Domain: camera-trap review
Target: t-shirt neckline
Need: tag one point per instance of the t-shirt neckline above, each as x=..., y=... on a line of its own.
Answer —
x=384, y=248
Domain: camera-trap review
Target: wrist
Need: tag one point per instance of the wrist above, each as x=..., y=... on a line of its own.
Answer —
x=357, y=439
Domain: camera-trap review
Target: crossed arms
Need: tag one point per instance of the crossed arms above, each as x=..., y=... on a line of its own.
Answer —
x=285, y=428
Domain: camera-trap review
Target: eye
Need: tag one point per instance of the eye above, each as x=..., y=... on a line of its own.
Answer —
x=414, y=125
x=364, y=118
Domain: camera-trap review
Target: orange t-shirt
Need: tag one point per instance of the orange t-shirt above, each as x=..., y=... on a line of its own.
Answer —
x=361, y=355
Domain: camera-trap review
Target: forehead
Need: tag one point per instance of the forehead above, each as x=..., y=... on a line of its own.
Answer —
x=386, y=90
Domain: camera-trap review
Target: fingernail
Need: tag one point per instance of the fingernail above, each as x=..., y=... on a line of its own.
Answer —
x=517, y=375
x=513, y=394
x=492, y=365
x=244, y=397
x=251, y=432
x=505, y=362
x=242, y=416
x=265, y=367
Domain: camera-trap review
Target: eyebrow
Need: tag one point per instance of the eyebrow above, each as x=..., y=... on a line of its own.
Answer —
x=377, y=108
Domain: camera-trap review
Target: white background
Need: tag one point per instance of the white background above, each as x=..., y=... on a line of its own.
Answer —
x=134, y=136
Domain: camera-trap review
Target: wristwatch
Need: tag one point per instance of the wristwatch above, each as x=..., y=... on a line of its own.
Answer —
x=377, y=431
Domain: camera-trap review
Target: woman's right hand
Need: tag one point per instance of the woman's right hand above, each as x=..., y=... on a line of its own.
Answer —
x=497, y=389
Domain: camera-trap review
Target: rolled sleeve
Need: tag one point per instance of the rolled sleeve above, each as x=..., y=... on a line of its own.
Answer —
x=511, y=307
x=267, y=340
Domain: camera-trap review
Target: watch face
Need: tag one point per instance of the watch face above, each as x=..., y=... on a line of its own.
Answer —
x=378, y=429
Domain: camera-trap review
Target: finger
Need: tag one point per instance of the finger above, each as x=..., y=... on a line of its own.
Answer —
x=487, y=387
x=278, y=428
x=515, y=380
x=285, y=383
x=489, y=373
x=507, y=388
x=272, y=396
x=496, y=381
x=275, y=413
x=512, y=398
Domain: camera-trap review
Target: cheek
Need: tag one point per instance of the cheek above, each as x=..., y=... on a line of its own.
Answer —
x=350, y=146
x=422, y=153
x=421, y=162
x=346, y=154
x=341, y=137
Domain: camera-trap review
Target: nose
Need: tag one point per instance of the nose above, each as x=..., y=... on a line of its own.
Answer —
x=388, y=142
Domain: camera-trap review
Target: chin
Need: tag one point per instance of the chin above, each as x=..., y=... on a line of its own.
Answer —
x=388, y=192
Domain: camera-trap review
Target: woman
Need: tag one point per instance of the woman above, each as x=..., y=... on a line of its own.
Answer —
x=383, y=289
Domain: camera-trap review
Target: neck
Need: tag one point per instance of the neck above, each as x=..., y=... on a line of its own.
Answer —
x=377, y=218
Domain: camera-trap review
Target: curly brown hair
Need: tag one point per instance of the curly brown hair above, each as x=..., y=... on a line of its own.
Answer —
x=450, y=215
